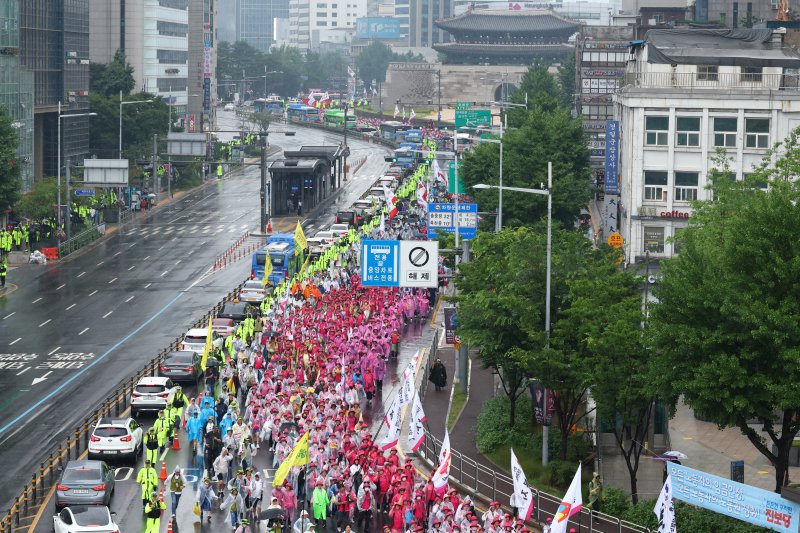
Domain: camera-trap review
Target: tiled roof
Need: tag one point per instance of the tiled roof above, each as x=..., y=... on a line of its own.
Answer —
x=502, y=49
x=525, y=21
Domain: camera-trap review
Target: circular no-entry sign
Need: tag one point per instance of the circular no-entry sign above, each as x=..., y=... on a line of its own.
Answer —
x=418, y=256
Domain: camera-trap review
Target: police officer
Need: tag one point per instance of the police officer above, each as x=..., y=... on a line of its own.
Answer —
x=151, y=445
x=3, y=270
x=179, y=401
x=152, y=510
x=148, y=479
x=162, y=427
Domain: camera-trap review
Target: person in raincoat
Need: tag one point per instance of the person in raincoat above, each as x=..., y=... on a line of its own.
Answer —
x=234, y=503
x=320, y=501
x=205, y=498
x=194, y=430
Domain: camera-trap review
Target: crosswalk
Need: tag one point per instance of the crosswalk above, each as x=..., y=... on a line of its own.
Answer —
x=184, y=229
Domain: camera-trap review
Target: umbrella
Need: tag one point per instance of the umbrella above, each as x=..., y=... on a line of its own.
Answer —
x=272, y=514
x=212, y=361
x=288, y=426
x=675, y=455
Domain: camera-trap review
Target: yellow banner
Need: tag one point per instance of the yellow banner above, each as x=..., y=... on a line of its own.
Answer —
x=267, y=269
x=207, y=347
x=298, y=457
x=300, y=242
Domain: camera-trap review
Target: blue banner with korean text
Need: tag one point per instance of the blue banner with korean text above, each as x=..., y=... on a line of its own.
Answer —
x=737, y=500
x=612, y=157
x=380, y=263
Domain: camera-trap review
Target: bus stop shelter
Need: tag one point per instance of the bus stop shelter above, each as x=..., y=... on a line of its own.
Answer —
x=308, y=175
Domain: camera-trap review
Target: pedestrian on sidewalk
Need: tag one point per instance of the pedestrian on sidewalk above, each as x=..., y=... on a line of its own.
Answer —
x=205, y=497
x=438, y=374
x=597, y=495
x=176, y=484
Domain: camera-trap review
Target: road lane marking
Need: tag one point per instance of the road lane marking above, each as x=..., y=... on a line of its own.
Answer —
x=178, y=262
x=61, y=286
x=12, y=343
x=146, y=286
x=164, y=273
x=129, y=299
x=57, y=348
x=146, y=258
x=23, y=371
x=131, y=245
x=70, y=307
x=112, y=281
x=162, y=246
x=45, y=322
x=131, y=268
x=106, y=315
x=84, y=331
x=39, y=299
x=190, y=252
x=36, y=405
x=9, y=315
x=116, y=254
x=93, y=292
x=100, y=263
x=81, y=274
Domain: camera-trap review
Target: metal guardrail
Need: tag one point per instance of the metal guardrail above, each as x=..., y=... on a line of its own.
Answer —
x=76, y=442
x=81, y=239
x=713, y=81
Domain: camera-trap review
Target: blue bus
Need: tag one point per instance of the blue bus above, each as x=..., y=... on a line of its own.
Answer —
x=391, y=130
x=412, y=136
x=302, y=113
x=405, y=157
x=280, y=251
x=272, y=106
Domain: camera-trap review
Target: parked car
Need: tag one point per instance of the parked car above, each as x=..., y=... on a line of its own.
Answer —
x=116, y=437
x=84, y=519
x=253, y=291
x=151, y=394
x=195, y=340
x=183, y=366
x=236, y=311
x=229, y=107
x=85, y=482
x=348, y=217
x=339, y=230
x=223, y=326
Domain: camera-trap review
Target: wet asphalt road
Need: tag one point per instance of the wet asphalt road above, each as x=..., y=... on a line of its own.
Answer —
x=71, y=331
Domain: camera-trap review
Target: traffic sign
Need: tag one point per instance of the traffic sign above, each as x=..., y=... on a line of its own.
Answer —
x=473, y=118
x=83, y=192
x=380, y=263
x=441, y=218
x=419, y=264
x=615, y=240
x=463, y=105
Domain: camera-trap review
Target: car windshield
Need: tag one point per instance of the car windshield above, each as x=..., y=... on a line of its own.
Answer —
x=81, y=474
x=150, y=389
x=181, y=359
x=194, y=340
x=110, y=431
x=91, y=516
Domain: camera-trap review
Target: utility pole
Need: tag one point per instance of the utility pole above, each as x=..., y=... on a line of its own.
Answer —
x=546, y=425
x=345, y=141
x=155, y=173
x=69, y=202
x=263, y=184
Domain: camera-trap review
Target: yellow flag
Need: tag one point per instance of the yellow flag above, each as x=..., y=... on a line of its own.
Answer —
x=298, y=457
x=207, y=347
x=267, y=270
x=300, y=242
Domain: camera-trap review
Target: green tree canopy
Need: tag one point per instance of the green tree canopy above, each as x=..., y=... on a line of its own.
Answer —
x=111, y=78
x=139, y=123
x=41, y=200
x=10, y=183
x=726, y=328
x=373, y=61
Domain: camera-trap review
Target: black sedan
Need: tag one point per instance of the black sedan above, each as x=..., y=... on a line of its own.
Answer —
x=181, y=367
x=85, y=483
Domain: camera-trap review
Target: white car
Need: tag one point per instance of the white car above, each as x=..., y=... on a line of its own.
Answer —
x=116, y=437
x=151, y=394
x=229, y=107
x=339, y=230
x=84, y=519
x=327, y=237
x=195, y=340
x=253, y=291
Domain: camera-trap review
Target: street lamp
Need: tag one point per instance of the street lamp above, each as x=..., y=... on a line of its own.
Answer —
x=549, y=193
x=121, y=103
x=266, y=93
x=60, y=116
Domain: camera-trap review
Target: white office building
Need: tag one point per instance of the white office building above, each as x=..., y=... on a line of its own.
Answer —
x=687, y=93
x=314, y=22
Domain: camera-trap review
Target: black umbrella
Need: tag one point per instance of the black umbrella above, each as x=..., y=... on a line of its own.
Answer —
x=272, y=514
x=213, y=361
x=288, y=426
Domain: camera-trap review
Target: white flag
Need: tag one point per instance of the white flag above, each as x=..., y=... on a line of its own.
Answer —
x=442, y=473
x=412, y=114
x=665, y=509
x=438, y=174
x=416, y=429
x=393, y=424
x=404, y=114
x=383, y=223
x=522, y=491
x=374, y=91
x=350, y=72
x=422, y=195
x=570, y=505
x=396, y=111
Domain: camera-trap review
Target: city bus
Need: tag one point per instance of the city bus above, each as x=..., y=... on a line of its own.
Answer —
x=302, y=113
x=335, y=117
x=280, y=250
x=391, y=129
x=272, y=106
x=412, y=136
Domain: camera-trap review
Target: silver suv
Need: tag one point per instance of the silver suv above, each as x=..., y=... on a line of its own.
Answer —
x=116, y=437
x=151, y=394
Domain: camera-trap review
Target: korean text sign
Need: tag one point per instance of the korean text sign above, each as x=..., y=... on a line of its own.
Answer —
x=612, y=157
x=737, y=500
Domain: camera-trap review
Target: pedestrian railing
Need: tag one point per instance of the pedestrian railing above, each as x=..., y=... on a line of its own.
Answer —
x=81, y=239
x=76, y=441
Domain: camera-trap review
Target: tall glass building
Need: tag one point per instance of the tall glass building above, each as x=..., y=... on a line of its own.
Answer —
x=16, y=88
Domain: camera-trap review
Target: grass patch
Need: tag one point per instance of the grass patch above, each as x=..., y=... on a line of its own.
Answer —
x=456, y=405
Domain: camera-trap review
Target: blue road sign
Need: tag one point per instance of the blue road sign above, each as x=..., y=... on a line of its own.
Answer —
x=83, y=192
x=441, y=218
x=380, y=263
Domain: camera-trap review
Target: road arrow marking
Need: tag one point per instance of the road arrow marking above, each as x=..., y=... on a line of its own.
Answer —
x=39, y=380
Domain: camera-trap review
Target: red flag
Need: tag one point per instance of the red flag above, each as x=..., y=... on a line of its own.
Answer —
x=391, y=202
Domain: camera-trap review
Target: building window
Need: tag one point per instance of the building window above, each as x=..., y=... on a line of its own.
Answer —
x=322, y=14
x=174, y=4
x=658, y=18
x=708, y=73
x=756, y=132
x=751, y=74
x=686, y=186
x=653, y=237
x=172, y=29
x=655, y=184
x=656, y=130
x=725, y=132
x=172, y=57
x=322, y=5
x=322, y=23
x=688, y=131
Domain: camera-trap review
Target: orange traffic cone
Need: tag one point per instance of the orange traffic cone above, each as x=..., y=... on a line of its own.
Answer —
x=176, y=443
x=163, y=475
x=169, y=524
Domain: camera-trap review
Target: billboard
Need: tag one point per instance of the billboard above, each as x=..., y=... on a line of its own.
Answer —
x=377, y=28
x=612, y=157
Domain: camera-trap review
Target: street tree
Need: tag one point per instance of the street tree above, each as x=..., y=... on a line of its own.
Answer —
x=539, y=89
x=566, y=81
x=40, y=202
x=10, y=184
x=726, y=328
x=110, y=78
x=139, y=123
x=544, y=136
x=373, y=61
